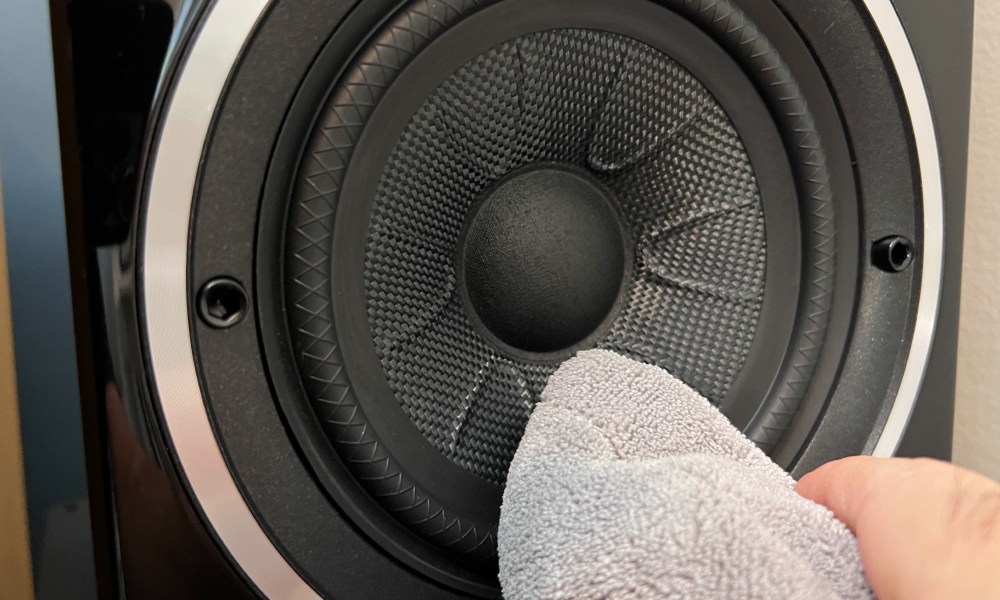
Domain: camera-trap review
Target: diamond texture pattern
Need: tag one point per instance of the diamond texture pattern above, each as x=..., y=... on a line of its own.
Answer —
x=308, y=287
x=735, y=32
x=686, y=189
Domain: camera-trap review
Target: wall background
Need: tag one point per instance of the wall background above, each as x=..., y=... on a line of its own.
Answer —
x=15, y=562
x=40, y=305
x=977, y=418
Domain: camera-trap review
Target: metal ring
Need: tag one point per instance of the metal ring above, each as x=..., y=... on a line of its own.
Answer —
x=904, y=61
x=164, y=298
x=164, y=294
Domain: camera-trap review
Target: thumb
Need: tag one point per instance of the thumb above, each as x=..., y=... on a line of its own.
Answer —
x=925, y=528
x=845, y=486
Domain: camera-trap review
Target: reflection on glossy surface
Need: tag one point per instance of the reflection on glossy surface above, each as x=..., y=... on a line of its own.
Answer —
x=165, y=551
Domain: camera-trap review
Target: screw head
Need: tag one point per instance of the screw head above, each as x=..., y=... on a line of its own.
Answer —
x=222, y=303
x=893, y=254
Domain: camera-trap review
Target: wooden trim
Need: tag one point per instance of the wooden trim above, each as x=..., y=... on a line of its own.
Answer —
x=15, y=555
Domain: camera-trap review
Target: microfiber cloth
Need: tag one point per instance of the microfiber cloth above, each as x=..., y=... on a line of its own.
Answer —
x=629, y=484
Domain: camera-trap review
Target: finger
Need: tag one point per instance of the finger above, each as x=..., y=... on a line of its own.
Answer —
x=844, y=486
x=921, y=524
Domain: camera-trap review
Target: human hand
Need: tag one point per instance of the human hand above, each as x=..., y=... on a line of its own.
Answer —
x=925, y=528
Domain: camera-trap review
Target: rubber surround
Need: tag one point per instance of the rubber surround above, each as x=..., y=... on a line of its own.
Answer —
x=427, y=350
x=304, y=523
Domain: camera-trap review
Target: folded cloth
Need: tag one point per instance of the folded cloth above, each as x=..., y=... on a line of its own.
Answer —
x=629, y=484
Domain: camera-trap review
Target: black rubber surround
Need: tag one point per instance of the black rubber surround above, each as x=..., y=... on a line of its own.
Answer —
x=304, y=518
x=434, y=497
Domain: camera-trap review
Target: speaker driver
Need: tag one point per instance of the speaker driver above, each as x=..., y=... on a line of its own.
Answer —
x=489, y=188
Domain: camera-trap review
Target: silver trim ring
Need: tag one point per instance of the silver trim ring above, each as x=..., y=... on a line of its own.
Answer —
x=925, y=138
x=186, y=121
x=185, y=125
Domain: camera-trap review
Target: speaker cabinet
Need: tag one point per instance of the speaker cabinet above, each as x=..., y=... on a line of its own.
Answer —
x=335, y=248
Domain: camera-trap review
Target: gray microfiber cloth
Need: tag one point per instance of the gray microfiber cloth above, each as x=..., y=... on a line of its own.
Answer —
x=629, y=484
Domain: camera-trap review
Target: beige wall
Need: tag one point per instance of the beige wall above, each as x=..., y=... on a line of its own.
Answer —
x=15, y=567
x=977, y=418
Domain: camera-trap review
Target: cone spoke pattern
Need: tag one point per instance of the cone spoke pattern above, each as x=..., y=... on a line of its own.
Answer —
x=654, y=135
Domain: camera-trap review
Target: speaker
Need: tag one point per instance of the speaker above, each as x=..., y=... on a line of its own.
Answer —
x=335, y=248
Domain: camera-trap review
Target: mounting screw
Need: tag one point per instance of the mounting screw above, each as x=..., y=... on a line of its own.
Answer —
x=222, y=303
x=893, y=254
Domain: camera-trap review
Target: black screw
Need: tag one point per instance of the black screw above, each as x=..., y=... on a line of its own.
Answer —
x=222, y=303
x=893, y=253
